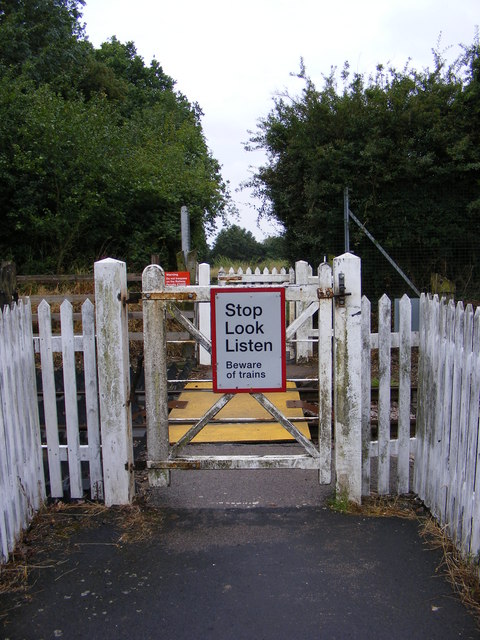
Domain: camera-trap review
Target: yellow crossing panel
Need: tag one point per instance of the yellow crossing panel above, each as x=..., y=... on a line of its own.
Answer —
x=242, y=405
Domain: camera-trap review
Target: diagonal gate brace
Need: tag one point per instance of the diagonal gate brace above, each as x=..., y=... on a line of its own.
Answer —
x=285, y=422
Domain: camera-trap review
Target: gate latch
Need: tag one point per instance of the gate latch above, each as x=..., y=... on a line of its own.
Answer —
x=133, y=297
x=340, y=296
x=328, y=294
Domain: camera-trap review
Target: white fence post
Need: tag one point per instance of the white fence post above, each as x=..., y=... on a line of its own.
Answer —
x=71, y=404
x=366, y=394
x=404, y=393
x=114, y=380
x=325, y=374
x=384, y=385
x=303, y=348
x=204, y=313
x=347, y=380
x=155, y=354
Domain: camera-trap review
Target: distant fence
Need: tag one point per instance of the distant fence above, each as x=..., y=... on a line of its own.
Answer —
x=77, y=299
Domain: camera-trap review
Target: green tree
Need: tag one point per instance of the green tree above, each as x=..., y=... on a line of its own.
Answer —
x=404, y=143
x=42, y=40
x=98, y=152
x=237, y=243
x=275, y=248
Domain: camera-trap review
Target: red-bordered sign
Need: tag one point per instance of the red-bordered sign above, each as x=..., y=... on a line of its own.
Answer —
x=177, y=278
x=248, y=339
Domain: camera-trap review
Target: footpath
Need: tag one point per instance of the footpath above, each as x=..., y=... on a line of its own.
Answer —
x=254, y=555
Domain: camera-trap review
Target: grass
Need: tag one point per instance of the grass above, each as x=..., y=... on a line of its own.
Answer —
x=340, y=503
x=462, y=573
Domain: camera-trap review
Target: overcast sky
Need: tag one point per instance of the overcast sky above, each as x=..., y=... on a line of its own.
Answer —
x=232, y=57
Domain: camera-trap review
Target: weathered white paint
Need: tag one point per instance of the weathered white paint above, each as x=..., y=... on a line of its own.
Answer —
x=304, y=348
x=474, y=452
x=404, y=393
x=155, y=362
x=35, y=491
x=236, y=462
x=204, y=315
x=347, y=382
x=447, y=381
x=325, y=348
x=91, y=400
x=114, y=380
x=447, y=462
x=22, y=486
x=472, y=440
x=384, y=382
x=49, y=399
x=71, y=409
x=366, y=395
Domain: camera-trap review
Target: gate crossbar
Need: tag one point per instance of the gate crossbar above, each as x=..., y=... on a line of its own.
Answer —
x=206, y=463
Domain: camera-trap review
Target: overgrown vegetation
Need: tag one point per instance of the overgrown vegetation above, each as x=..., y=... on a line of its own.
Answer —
x=98, y=151
x=236, y=244
x=406, y=143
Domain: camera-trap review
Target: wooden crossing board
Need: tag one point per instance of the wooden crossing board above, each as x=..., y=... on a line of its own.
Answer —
x=242, y=405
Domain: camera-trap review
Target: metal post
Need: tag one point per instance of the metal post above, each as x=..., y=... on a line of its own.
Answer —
x=185, y=226
x=346, y=208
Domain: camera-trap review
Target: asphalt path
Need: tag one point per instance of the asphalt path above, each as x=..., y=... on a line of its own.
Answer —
x=242, y=555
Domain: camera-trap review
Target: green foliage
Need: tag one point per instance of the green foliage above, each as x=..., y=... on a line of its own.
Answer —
x=340, y=502
x=275, y=248
x=98, y=152
x=405, y=143
x=236, y=243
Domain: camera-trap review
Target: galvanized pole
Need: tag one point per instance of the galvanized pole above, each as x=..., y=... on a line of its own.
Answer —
x=346, y=208
x=185, y=226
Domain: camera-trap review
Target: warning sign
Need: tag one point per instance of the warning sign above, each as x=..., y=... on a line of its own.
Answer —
x=248, y=339
x=177, y=278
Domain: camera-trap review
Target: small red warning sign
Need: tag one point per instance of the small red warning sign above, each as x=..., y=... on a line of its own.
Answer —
x=177, y=278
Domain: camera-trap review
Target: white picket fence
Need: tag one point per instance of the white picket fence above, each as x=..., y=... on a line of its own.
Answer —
x=65, y=458
x=385, y=450
x=22, y=485
x=447, y=464
x=444, y=458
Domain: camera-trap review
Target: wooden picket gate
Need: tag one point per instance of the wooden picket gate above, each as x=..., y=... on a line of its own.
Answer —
x=336, y=296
